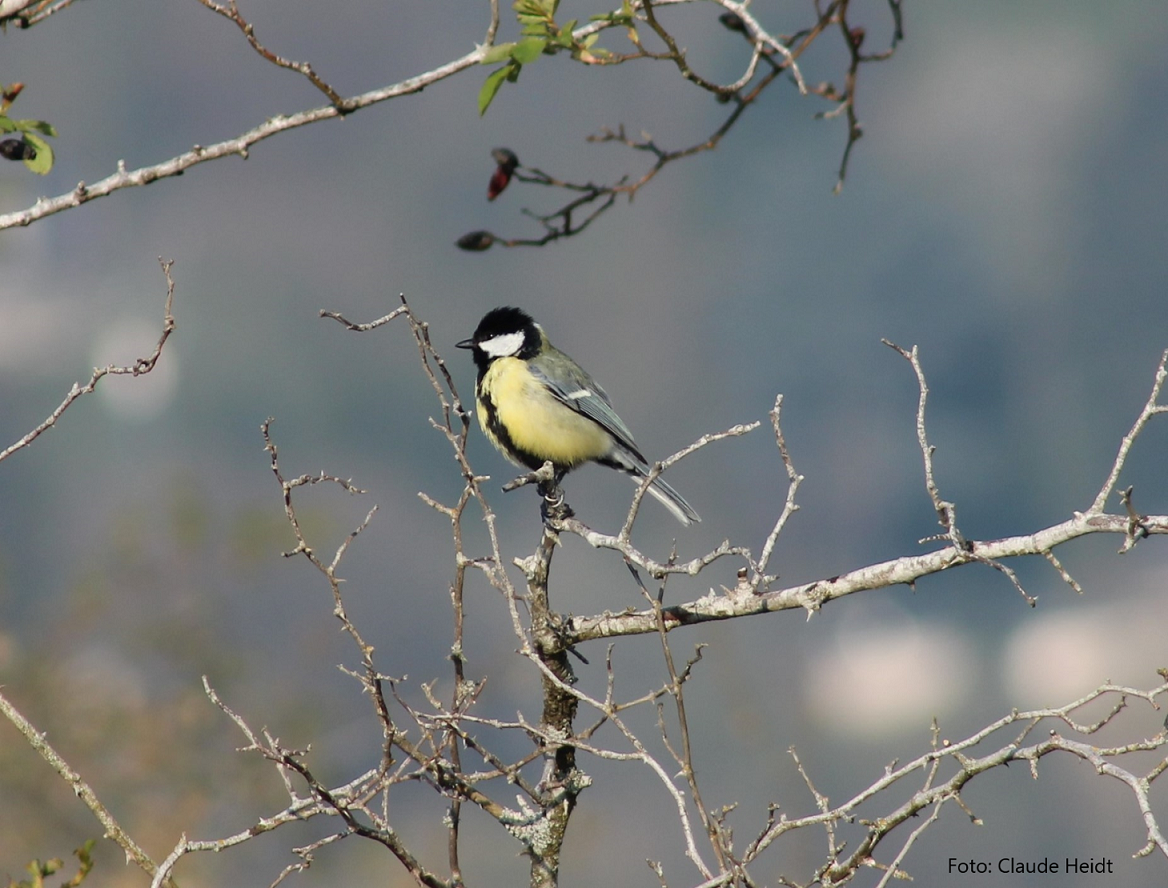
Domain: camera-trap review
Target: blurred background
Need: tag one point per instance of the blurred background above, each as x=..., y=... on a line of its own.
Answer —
x=1005, y=211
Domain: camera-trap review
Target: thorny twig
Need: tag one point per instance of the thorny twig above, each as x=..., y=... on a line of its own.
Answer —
x=454, y=426
x=840, y=865
x=947, y=511
x=1151, y=408
x=433, y=760
x=1137, y=526
x=853, y=38
x=968, y=765
x=684, y=758
x=811, y=596
x=794, y=479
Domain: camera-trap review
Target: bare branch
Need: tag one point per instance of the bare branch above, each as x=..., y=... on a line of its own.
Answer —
x=366, y=327
x=231, y=12
x=81, y=789
x=637, y=753
x=935, y=794
x=811, y=596
x=945, y=510
x=140, y=367
x=794, y=479
x=240, y=145
x=1063, y=572
x=1151, y=408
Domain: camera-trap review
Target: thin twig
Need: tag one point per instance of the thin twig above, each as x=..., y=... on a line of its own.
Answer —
x=794, y=479
x=1151, y=408
x=140, y=367
x=947, y=511
x=735, y=431
x=231, y=13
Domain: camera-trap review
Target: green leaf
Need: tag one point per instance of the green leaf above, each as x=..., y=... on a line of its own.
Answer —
x=43, y=162
x=528, y=49
x=85, y=863
x=35, y=126
x=6, y=125
x=494, y=80
x=538, y=29
x=568, y=27
x=533, y=21
x=589, y=40
x=500, y=52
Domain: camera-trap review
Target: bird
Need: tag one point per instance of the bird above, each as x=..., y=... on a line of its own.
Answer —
x=537, y=405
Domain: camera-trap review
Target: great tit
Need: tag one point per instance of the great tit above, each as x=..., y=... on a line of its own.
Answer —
x=535, y=404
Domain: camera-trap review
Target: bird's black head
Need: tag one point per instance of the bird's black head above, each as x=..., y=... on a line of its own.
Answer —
x=503, y=332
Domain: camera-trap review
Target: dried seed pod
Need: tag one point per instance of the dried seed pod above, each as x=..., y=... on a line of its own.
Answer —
x=475, y=241
x=499, y=180
x=507, y=162
x=17, y=149
x=505, y=158
x=732, y=22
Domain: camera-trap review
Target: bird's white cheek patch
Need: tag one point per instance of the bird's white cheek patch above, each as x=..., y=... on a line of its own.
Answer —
x=502, y=346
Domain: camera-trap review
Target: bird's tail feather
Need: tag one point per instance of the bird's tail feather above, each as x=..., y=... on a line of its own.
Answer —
x=629, y=463
x=673, y=501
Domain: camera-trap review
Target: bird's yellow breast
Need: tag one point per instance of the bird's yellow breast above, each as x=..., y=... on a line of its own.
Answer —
x=529, y=425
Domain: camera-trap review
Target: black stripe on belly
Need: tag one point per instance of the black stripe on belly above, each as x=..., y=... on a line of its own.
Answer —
x=500, y=437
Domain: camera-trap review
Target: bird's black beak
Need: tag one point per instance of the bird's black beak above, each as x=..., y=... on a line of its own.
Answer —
x=466, y=343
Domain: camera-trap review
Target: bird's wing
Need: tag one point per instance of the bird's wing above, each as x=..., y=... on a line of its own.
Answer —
x=581, y=393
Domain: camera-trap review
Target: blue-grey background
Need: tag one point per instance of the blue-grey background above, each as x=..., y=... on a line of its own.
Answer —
x=1004, y=211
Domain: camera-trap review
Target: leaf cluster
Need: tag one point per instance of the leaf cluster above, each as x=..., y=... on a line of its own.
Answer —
x=539, y=35
x=41, y=870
